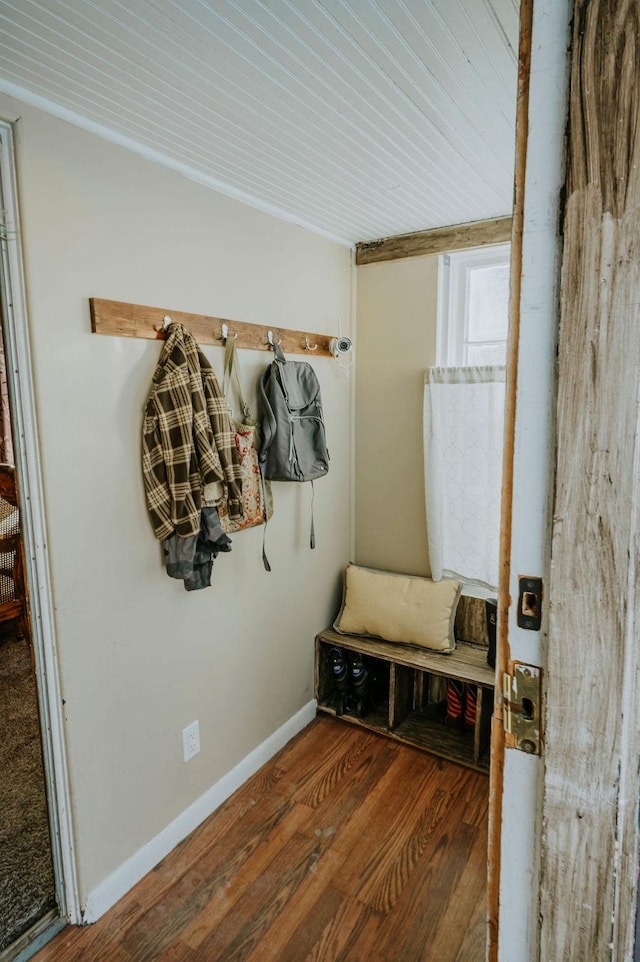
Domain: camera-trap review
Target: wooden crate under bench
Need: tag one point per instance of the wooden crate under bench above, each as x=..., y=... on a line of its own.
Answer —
x=403, y=709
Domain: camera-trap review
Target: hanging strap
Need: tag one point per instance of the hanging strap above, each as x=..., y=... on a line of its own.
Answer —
x=312, y=534
x=232, y=369
x=278, y=352
x=265, y=560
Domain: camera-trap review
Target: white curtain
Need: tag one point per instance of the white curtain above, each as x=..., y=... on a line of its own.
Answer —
x=463, y=440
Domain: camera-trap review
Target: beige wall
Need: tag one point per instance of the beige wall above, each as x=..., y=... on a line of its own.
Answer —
x=141, y=658
x=396, y=341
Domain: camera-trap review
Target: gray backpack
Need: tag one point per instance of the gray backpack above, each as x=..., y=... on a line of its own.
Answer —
x=294, y=446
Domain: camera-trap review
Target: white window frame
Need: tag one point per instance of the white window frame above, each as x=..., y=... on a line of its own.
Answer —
x=453, y=272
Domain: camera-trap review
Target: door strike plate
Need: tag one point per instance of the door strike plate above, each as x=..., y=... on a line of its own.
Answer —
x=522, y=694
x=529, y=603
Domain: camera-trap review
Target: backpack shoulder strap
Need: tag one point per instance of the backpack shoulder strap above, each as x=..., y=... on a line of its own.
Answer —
x=268, y=417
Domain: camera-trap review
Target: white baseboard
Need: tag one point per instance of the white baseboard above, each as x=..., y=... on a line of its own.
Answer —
x=111, y=889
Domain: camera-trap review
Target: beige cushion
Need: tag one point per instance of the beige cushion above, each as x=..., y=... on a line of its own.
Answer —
x=401, y=608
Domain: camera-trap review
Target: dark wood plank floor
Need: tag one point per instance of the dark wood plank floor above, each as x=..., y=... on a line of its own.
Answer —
x=346, y=846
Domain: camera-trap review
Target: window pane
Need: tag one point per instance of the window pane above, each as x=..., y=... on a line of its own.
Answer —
x=479, y=354
x=488, y=303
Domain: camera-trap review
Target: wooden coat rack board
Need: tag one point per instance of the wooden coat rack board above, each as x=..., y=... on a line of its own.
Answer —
x=135, y=320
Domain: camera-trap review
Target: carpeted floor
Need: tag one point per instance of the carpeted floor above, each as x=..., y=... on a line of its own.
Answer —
x=26, y=876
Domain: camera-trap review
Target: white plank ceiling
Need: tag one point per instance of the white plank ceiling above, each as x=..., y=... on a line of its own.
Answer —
x=357, y=118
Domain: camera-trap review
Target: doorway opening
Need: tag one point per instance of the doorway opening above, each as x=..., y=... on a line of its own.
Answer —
x=40, y=885
x=28, y=902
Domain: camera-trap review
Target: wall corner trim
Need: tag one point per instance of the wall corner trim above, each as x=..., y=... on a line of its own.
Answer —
x=129, y=873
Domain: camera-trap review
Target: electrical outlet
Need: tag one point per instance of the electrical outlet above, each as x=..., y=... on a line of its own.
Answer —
x=191, y=740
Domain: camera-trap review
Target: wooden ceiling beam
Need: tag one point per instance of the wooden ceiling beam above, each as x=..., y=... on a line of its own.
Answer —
x=437, y=241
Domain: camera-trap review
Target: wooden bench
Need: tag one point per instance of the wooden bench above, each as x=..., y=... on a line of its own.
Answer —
x=406, y=702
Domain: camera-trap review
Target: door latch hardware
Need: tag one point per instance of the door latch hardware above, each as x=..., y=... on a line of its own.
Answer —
x=522, y=694
x=530, y=603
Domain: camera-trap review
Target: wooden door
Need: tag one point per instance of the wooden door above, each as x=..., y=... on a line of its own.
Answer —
x=581, y=869
x=528, y=463
x=590, y=807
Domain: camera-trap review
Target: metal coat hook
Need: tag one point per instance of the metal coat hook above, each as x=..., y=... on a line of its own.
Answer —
x=309, y=347
x=271, y=340
x=225, y=332
x=166, y=320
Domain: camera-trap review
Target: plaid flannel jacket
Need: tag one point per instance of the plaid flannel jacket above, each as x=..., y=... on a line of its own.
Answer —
x=187, y=439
